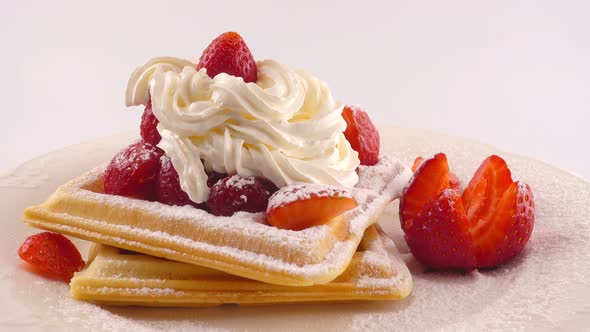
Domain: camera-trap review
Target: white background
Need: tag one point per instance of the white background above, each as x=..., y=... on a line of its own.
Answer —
x=515, y=74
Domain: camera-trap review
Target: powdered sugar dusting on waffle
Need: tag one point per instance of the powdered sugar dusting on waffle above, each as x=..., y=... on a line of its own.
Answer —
x=303, y=191
x=243, y=238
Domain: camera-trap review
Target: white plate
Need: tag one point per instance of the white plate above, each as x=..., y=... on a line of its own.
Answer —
x=544, y=288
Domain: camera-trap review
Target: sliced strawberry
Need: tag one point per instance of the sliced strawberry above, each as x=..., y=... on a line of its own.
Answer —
x=417, y=162
x=486, y=188
x=508, y=228
x=439, y=236
x=495, y=214
x=229, y=54
x=361, y=134
x=304, y=205
x=428, y=181
x=453, y=179
x=52, y=254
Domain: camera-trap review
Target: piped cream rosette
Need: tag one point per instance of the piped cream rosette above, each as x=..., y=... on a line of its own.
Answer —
x=286, y=127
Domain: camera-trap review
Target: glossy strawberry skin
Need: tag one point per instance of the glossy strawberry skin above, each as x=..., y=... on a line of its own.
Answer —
x=439, y=236
x=433, y=219
x=148, y=129
x=52, y=254
x=492, y=221
x=168, y=186
x=361, y=134
x=237, y=193
x=431, y=177
x=229, y=54
x=133, y=171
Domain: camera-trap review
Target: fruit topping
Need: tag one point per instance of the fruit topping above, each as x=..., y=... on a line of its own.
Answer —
x=489, y=225
x=304, y=205
x=238, y=193
x=168, y=188
x=52, y=255
x=133, y=171
x=229, y=54
x=214, y=177
x=361, y=134
x=148, y=130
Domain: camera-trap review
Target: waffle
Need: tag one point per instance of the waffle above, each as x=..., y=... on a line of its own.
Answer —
x=117, y=277
x=241, y=245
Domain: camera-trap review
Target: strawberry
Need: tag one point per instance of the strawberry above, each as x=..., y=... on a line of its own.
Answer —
x=168, y=190
x=453, y=179
x=361, y=134
x=490, y=224
x=439, y=235
x=237, y=193
x=428, y=181
x=149, y=122
x=417, y=162
x=229, y=54
x=432, y=217
x=500, y=212
x=132, y=172
x=304, y=205
x=52, y=254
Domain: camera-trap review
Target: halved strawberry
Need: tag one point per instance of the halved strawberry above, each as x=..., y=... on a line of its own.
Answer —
x=229, y=54
x=428, y=181
x=507, y=229
x=52, y=254
x=304, y=205
x=417, y=162
x=433, y=219
x=439, y=235
x=486, y=188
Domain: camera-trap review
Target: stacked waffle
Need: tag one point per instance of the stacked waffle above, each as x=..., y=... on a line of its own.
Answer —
x=148, y=253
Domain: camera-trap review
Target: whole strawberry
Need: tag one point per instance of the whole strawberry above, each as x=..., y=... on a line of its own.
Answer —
x=239, y=193
x=168, y=187
x=148, y=129
x=133, y=171
x=52, y=254
x=229, y=54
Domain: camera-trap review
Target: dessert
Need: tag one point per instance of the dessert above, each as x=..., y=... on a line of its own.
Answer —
x=219, y=138
x=116, y=277
x=486, y=226
x=242, y=244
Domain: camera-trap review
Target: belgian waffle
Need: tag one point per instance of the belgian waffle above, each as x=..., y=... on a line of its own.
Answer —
x=241, y=245
x=118, y=277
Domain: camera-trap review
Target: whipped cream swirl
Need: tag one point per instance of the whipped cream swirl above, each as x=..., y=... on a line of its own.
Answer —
x=286, y=127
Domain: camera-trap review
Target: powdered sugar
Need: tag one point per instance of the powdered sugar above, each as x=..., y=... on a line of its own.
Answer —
x=239, y=182
x=240, y=244
x=304, y=191
x=544, y=288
